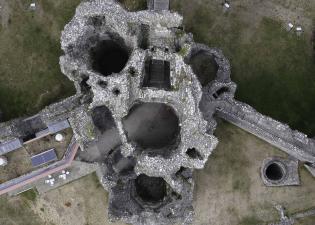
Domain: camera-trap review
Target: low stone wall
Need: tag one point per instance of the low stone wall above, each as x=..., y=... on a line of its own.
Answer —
x=56, y=112
x=280, y=135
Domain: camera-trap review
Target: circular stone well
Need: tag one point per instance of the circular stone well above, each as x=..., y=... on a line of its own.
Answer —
x=274, y=172
x=154, y=127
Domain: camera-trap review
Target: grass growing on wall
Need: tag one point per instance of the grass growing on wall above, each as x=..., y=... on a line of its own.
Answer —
x=134, y=5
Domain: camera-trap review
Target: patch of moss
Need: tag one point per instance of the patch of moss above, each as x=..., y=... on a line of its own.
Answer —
x=90, y=131
x=134, y=5
x=250, y=220
x=30, y=195
x=96, y=181
x=183, y=51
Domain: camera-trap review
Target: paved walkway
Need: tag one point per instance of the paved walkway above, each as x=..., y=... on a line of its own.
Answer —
x=41, y=173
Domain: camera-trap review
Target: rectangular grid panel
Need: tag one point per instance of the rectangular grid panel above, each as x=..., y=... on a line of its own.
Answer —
x=56, y=127
x=44, y=157
x=10, y=146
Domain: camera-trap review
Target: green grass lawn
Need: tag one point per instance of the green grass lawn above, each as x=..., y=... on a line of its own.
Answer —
x=30, y=76
x=274, y=69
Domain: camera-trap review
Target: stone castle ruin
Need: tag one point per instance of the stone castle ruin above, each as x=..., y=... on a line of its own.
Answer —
x=145, y=111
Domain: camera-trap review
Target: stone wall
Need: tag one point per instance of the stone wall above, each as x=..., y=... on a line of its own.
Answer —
x=278, y=134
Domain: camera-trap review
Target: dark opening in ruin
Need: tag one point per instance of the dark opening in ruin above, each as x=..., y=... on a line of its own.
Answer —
x=102, y=118
x=97, y=21
x=143, y=37
x=220, y=92
x=176, y=195
x=121, y=164
x=30, y=126
x=153, y=126
x=109, y=57
x=204, y=66
x=102, y=84
x=184, y=172
x=274, y=172
x=157, y=74
x=150, y=189
x=29, y=137
x=132, y=71
x=180, y=171
x=193, y=153
x=309, y=164
x=83, y=84
x=116, y=91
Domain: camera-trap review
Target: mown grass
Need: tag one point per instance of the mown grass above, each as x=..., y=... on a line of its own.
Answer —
x=30, y=76
x=274, y=69
x=231, y=181
x=17, y=211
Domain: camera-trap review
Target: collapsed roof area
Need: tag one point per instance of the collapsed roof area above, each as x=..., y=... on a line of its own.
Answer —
x=147, y=98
